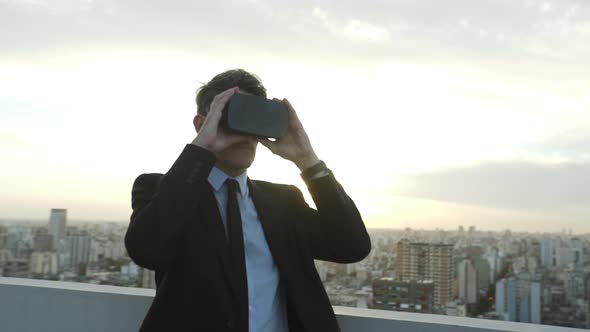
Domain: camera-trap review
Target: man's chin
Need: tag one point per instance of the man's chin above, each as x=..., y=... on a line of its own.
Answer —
x=239, y=164
x=237, y=157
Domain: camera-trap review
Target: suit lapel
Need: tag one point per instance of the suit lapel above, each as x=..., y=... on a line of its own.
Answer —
x=270, y=211
x=220, y=238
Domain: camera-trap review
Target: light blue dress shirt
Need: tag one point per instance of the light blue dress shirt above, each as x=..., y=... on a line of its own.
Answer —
x=266, y=301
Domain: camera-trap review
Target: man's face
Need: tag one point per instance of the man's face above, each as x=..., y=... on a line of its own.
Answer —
x=238, y=155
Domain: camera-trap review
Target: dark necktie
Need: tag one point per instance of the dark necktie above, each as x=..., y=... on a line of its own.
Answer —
x=238, y=260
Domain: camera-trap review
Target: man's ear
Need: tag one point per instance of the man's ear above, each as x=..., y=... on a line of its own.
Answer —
x=198, y=121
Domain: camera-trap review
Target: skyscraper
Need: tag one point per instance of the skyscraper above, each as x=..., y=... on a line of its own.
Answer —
x=564, y=256
x=535, y=309
x=575, y=287
x=412, y=296
x=511, y=297
x=425, y=261
x=495, y=263
x=57, y=226
x=79, y=249
x=578, y=248
x=42, y=241
x=468, y=282
x=524, y=313
x=148, y=278
x=547, y=252
x=43, y=262
x=518, y=299
x=500, y=298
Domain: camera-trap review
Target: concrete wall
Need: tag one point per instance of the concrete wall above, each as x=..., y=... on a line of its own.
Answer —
x=38, y=305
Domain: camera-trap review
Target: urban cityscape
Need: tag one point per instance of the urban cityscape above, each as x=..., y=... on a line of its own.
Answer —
x=540, y=278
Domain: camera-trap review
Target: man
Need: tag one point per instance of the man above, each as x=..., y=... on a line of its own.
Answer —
x=233, y=254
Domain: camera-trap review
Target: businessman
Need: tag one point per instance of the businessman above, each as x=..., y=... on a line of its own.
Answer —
x=236, y=254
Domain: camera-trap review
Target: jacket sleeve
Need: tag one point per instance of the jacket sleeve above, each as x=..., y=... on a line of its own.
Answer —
x=335, y=231
x=161, y=204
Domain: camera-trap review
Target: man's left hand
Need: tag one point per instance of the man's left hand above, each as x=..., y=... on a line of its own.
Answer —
x=295, y=145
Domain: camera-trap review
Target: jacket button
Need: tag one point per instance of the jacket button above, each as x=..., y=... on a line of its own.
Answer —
x=230, y=324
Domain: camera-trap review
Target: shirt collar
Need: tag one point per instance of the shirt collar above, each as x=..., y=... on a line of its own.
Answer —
x=217, y=178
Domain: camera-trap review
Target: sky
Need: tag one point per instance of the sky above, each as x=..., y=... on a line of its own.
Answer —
x=431, y=114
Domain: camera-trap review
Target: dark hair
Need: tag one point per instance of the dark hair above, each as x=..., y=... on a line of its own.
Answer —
x=246, y=81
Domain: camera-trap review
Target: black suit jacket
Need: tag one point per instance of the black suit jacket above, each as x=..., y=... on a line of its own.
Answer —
x=176, y=230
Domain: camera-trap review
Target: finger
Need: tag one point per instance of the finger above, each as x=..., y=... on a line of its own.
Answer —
x=290, y=108
x=216, y=107
x=219, y=101
x=224, y=95
x=269, y=144
x=292, y=113
x=229, y=92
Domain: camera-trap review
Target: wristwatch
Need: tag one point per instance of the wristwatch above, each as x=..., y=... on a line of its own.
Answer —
x=314, y=170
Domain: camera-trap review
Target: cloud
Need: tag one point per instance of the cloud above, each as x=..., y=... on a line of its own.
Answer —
x=353, y=29
x=453, y=30
x=518, y=185
x=571, y=145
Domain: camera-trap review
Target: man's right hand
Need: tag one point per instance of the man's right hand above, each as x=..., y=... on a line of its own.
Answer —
x=211, y=136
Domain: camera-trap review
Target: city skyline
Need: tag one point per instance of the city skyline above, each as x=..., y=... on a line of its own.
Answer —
x=540, y=279
x=82, y=222
x=468, y=272
x=430, y=115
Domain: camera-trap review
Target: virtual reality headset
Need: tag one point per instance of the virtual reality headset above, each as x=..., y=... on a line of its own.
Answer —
x=256, y=116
